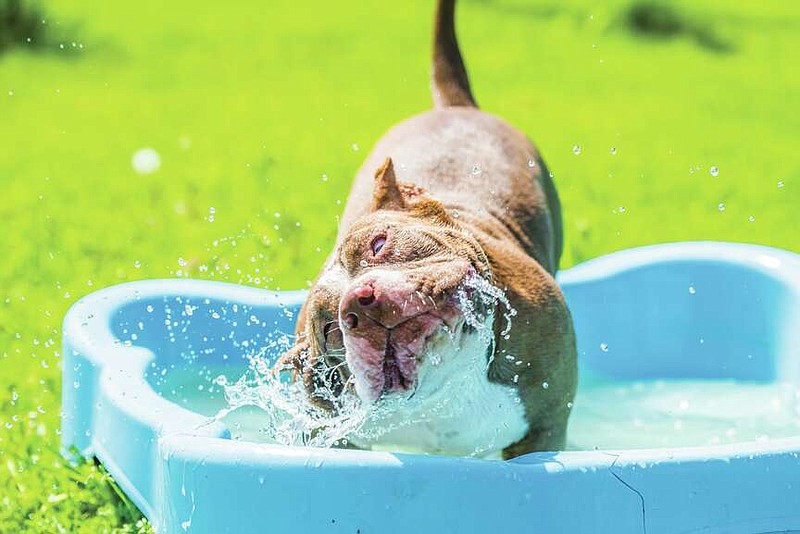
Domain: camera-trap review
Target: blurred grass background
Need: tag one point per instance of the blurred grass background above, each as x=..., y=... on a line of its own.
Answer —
x=662, y=121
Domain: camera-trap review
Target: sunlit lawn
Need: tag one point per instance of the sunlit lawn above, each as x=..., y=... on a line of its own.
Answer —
x=264, y=110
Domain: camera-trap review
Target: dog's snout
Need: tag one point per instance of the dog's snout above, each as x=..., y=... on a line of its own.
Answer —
x=384, y=304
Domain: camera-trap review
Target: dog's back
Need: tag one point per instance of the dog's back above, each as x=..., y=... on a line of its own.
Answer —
x=468, y=159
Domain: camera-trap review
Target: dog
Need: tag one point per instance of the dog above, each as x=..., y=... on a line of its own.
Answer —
x=451, y=205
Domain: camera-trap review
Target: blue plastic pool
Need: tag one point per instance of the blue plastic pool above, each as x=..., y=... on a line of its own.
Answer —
x=686, y=310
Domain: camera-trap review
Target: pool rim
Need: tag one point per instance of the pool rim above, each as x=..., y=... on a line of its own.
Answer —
x=177, y=430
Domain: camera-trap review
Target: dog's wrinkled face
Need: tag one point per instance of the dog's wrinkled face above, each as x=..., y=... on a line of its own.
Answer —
x=388, y=291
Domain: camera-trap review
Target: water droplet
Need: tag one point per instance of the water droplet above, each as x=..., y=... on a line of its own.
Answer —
x=221, y=380
x=721, y=206
x=355, y=147
x=569, y=405
x=137, y=264
x=363, y=263
x=324, y=177
x=476, y=169
x=613, y=151
x=692, y=290
x=621, y=209
x=576, y=149
x=531, y=163
x=604, y=347
x=751, y=219
x=146, y=161
x=780, y=184
x=714, y=171
x=545, y=385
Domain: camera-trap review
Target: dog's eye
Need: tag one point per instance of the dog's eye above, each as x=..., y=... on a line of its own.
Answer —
x=377, y=244
x=333, y=336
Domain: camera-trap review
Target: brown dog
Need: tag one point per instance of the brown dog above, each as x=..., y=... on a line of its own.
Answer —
x=398, y=315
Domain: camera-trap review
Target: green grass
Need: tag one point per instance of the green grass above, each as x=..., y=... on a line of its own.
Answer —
x=250, y=104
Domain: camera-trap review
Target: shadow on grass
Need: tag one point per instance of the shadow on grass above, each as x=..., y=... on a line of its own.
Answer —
x=657, y=19
x=648, y=19
x=91, y=478
x=25, y=26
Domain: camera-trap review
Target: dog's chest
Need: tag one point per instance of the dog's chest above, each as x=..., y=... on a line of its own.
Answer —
x=455, y=410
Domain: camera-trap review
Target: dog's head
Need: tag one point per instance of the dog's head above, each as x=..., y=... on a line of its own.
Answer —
x=390, y=290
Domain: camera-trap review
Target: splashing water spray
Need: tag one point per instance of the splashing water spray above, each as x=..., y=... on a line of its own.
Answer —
x=291, y=419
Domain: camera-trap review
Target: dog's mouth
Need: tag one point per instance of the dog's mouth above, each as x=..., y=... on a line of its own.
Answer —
x=391, y=327
x=393, y=377
x=386, y=361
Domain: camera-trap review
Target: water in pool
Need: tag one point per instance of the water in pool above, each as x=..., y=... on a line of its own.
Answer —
x=680, y=413
x=607, y=414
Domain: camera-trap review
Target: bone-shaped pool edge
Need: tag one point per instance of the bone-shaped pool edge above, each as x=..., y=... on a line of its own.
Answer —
x=185, y=474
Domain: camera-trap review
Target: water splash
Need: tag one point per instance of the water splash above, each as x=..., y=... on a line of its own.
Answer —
x=288, y=417
x=478, y=299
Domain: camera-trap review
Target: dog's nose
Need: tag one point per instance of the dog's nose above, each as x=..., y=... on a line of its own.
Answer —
x=359, y=300
x=351, y=320
x=366, y=297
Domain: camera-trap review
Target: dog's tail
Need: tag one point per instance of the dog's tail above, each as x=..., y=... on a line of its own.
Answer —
x=449, y=80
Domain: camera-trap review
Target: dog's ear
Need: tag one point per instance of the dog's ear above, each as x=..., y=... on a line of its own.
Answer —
x=429, y=208
x=387, y=195
x=393, y=195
